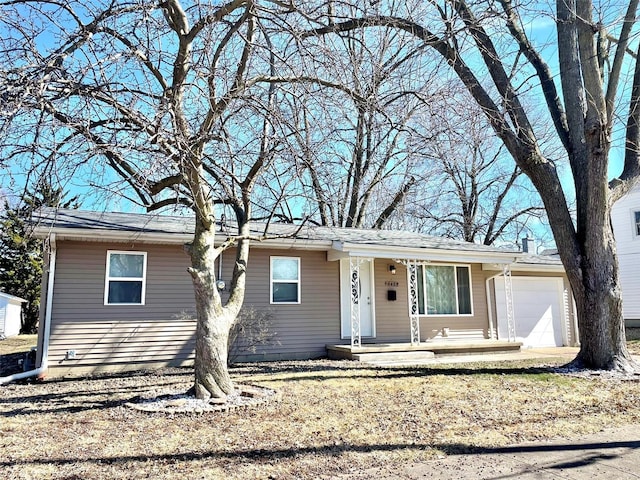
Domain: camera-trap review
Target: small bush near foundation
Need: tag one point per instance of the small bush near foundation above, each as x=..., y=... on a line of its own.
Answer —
x=252, y=329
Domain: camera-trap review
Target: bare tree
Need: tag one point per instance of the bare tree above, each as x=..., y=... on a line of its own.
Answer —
x=356, y=163
x=478, y=194
x=178, y=103
x=486, y=45
x=376, y=151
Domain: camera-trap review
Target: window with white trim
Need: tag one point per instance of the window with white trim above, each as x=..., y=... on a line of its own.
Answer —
x=444, y=290
x=636, y=218
x=125, y=281
x=285, y=280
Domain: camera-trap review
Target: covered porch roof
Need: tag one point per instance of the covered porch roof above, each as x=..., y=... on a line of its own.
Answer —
x=423, y=249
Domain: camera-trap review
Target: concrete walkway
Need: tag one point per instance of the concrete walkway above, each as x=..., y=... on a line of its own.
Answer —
x=610, y=455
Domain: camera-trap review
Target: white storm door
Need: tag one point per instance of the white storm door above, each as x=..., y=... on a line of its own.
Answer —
x=365, y=298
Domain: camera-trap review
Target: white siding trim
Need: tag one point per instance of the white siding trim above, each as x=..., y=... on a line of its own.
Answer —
x=634, y=232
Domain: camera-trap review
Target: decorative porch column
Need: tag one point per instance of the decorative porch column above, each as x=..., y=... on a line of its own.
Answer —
x=414, y=310
x=508, y=293
x=354, y=274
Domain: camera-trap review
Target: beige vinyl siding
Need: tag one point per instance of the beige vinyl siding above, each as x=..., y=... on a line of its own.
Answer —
x=123, y=345
x=570, y=315
x=392, y=318
x=80, y=283
x=302, y=330
x=118, y=337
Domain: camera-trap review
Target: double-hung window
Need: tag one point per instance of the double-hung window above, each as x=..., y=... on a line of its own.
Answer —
x=126, y=278
x=285, y=280
x=636, y=218
x=444, y=290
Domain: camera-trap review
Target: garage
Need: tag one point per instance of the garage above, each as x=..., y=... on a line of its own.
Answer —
x=538, y=310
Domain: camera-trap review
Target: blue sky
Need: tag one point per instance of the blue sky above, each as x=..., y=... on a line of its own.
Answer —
x=541, y=30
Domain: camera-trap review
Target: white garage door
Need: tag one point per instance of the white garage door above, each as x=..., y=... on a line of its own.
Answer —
x=538, y=310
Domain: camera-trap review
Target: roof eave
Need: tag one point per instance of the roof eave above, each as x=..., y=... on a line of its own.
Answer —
x=344, y=249
x=93, y=234
x=102, y=235
x=12, y=297
x=532, y=267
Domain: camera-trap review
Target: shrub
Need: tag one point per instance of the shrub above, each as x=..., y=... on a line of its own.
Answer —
x=252, y=329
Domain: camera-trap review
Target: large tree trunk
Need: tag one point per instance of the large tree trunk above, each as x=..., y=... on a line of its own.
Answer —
x=601, y=325
x=212, y=377
x=599, y=304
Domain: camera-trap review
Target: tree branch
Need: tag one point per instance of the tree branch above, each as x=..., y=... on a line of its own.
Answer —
x=618, y=61
x=542, y=71
x=397, y=200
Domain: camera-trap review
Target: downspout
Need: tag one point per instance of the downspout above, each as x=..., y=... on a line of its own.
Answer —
x=44, y=363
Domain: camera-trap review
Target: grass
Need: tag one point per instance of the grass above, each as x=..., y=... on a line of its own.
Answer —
x=18, y=344
x=634, y=346
x=331, y=417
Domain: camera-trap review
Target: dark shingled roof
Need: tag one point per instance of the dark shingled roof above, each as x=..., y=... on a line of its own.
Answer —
x=116, y=221
x=539, y=259
x=70, y=219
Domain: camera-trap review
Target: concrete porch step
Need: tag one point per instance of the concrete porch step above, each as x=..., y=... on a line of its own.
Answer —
x=393, y=356
x=390, y=351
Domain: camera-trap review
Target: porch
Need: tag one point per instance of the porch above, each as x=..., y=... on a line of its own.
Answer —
x=421, y=351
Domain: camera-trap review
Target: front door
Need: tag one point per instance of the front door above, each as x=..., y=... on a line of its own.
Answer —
x=365, y=298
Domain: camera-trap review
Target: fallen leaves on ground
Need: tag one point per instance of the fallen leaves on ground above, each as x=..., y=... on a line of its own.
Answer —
x=330, y=417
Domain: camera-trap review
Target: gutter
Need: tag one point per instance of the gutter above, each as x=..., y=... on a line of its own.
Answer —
x=164, y=238
x=44, y=362
x=113, y=235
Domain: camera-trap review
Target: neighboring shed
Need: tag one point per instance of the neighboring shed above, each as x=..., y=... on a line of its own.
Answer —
x=10, y=315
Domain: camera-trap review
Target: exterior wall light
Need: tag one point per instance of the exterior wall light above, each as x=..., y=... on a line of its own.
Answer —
x=392, y=269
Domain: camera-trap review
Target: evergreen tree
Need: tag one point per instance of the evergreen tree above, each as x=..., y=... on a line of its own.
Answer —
x=21, y=253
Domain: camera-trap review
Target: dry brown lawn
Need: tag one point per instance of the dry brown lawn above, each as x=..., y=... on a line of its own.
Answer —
x=634, y=346
x=18, y=344
x=331, y=417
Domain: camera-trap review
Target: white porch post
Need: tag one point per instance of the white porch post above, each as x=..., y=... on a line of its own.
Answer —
x=414, y=311
x=354, y=275
x=508, y=293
